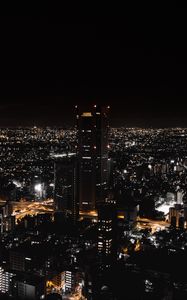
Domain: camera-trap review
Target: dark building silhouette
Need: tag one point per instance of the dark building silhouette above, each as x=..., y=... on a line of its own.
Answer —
x=17, y=261
x=27, y=286
x=107, y=219
x=93, y=156
x=65, y=189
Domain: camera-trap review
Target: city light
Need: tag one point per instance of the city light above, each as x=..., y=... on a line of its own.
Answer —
x=93, y=153
x=68, y=202
x=38, y=187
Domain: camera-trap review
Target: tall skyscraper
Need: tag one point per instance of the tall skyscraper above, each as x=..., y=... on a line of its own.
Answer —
x=65, y=181
x=106, y=233
x=92, y=156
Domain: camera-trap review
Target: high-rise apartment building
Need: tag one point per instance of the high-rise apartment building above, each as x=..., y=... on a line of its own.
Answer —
x=92, y=156
x=106, y=232
x=65, y=183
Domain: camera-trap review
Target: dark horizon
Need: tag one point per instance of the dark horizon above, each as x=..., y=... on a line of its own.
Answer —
x=50, y=64
x=55, y=111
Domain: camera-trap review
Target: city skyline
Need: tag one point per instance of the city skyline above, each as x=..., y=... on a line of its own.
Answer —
x=93, y=153
x=41, y=114
x=53, y=243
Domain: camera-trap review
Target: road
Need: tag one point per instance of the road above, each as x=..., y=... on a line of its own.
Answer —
x=32, y=208
x=155, y=225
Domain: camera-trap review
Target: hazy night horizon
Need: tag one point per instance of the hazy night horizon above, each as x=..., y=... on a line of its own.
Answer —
x=56, y=64
x=127, y=111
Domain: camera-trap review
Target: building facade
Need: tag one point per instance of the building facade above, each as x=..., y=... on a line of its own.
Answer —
x=92, y=157
x=65, y=184
x=106, y=233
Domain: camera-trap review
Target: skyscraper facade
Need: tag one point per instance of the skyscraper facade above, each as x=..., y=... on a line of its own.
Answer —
x=106, y=232
x=65, y=181
x=92, y=156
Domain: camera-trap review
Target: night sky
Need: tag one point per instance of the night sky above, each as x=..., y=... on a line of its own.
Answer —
x=50, y=62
